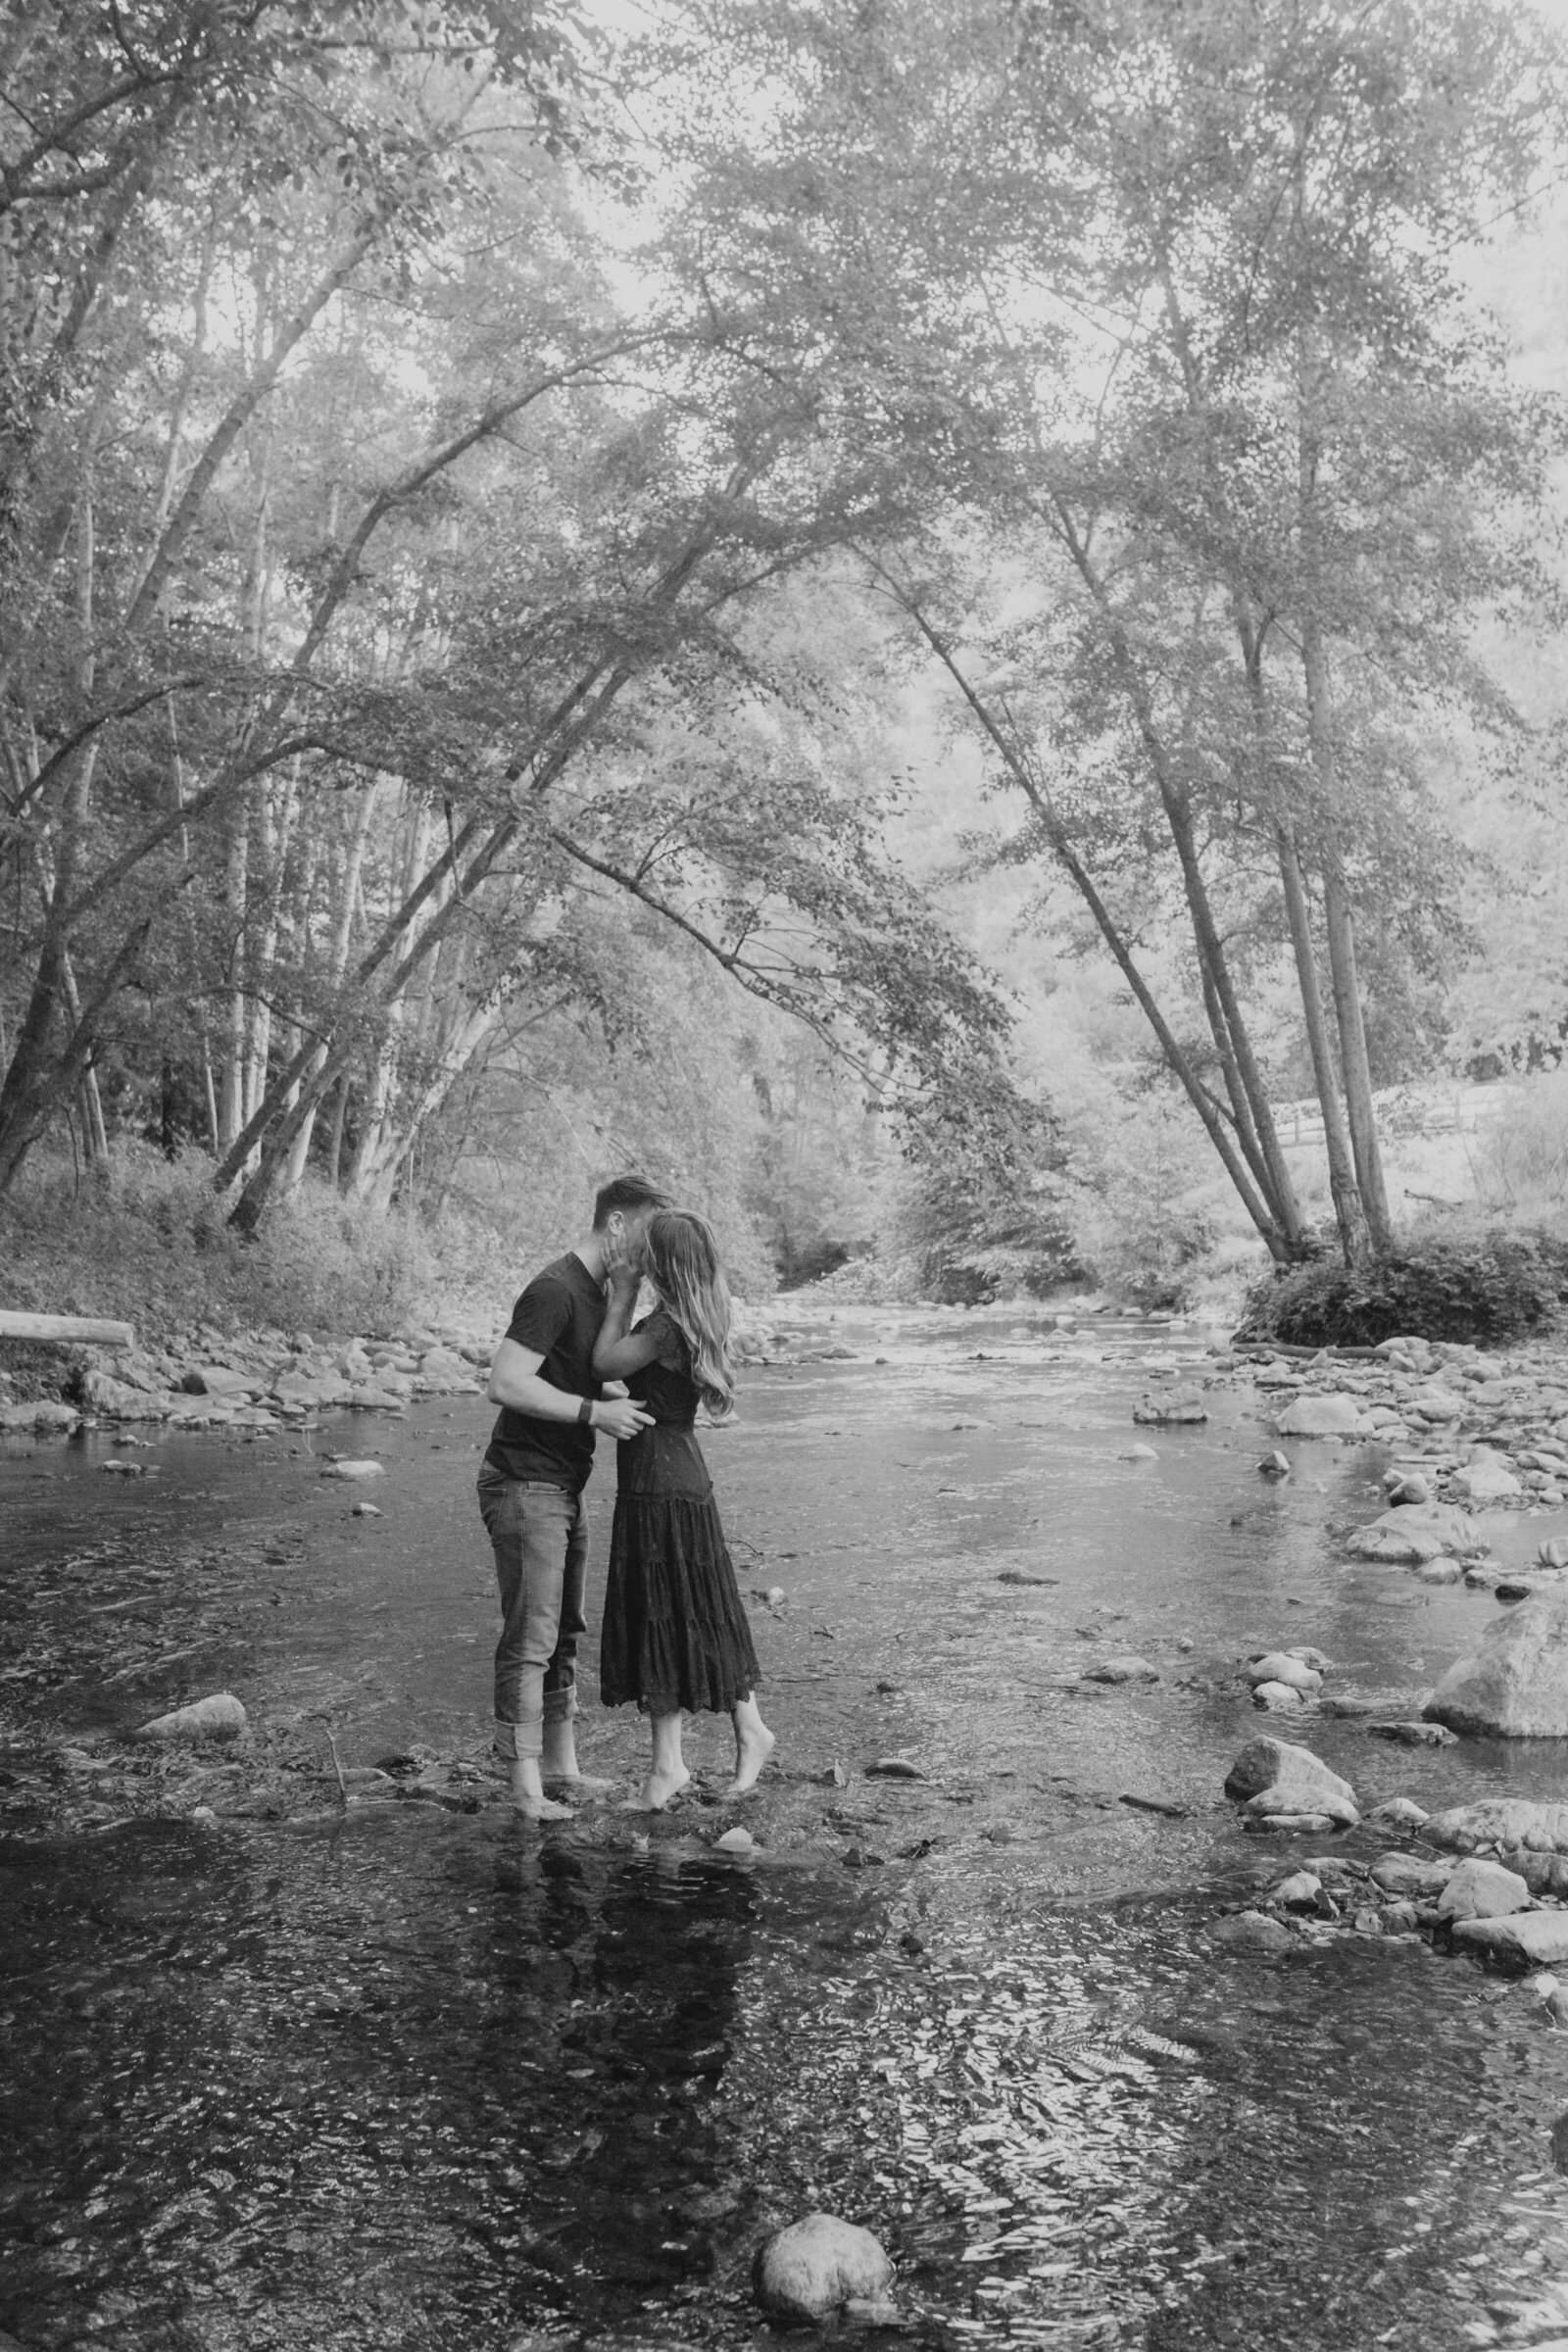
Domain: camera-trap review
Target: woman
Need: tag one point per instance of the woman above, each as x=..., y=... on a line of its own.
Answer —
x=675, y=1634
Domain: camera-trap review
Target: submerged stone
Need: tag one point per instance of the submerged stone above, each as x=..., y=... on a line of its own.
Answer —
x=814, y=2266
x=219, y=1717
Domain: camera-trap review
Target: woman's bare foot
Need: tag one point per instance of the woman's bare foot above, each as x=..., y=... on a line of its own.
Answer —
x=527, y=1793
x=658, y=1790
x=753, y=1744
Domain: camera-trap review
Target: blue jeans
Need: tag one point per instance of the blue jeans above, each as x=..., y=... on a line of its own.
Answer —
x=540, y=1536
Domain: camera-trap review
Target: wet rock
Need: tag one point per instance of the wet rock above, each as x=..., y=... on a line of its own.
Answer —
x=897, y=1768
x=1407, y=1486
x=1553, y=1553
x=1283, y=1666
x=219, y=1717
x=1166, y=1412
x=1397, y=1813
x=814, y=2266
x=1543, y=1874
x=1292, y=1825
x=42, y=1414
x=1410, y=1533
x=1331, y=1416
x=1300, y=1891
x=1272, y=1776
x=1252, y=1932
x=1486, y=1481
x=1279, y=1699
x=1408, y=1874
x=1440, y=1572
x=366, y=1511
x=1122, y=1670
x=355, y=1470
x=1414, y=1735
x=1503, y=1822
x=1522, y=1940
x=1512, y=1587
x=735, y=1842
x=1275, y=1464
x=1516, y=1684
x=1138, y=1454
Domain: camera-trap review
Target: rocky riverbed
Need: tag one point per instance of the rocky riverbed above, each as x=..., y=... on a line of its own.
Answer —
x=991, y=1965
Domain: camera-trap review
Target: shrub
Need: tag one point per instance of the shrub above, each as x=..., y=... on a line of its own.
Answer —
x=1489, y=1292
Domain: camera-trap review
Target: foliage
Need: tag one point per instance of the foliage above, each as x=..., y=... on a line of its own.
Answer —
x=1498, y=1290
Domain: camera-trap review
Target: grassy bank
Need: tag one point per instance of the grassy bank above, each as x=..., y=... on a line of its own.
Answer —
x=145, y=1240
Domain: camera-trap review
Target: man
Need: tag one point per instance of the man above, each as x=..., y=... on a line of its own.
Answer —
x=530, y=1492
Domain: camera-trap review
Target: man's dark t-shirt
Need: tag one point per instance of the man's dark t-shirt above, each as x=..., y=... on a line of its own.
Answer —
x=558, y=1317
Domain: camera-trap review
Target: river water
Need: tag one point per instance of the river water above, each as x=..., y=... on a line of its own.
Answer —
x=415, y=2075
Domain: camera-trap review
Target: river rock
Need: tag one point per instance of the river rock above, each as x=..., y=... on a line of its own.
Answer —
x=1408, y=1874
x=1331, y=1416
x=1479, y=1890
x=1123, y=1670
x=1300, y=1891
x=118, y=1400
x=1253, y=1932
x=1523, y=1939
x=1487, y=1481
x=1407, y=1486
x=1278, y=1698
x=1543, y=1874
x=219, y=1380
x=1516, y=1684
x=1166, y=1412
x=219, y=1717
x=1397, y=1813
x=1414, y=1735
x=1436, y=1405
x=1280, y=1666
x=1270, y=1777
x=353, y=1470
x=1275, y=1464
x=44, y=1414
x=1410, y=1533
x=814, y=2266
x=1500, y=1821
x=1138, y=1454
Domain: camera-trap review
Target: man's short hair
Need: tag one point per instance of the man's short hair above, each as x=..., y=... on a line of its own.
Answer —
x=630, y=1194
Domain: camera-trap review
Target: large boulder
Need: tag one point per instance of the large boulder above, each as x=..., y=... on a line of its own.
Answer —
x=1516, y=1684
x=1505, y=1822
x=1410, y=1874
x=1486, y=1479
x=1480, y=1889
x=1272, y=1778
x=118, y=1400
x=814, y=2266
x=1412, y=1534
x=1524, y=1939
x=43, y=1414
x=1333, y=1416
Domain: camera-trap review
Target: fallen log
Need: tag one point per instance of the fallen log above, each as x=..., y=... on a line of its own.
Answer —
x=94, y=1330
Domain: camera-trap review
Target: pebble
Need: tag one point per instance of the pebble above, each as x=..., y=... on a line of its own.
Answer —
x=355, y=1470
x=366, y=1511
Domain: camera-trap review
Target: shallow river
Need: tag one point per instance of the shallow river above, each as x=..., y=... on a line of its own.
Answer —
x=416, y=2075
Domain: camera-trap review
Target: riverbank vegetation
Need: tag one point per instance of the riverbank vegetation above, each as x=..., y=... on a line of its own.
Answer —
x=920, y=623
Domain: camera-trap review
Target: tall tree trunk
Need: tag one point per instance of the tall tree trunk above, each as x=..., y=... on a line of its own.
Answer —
x=337, y=964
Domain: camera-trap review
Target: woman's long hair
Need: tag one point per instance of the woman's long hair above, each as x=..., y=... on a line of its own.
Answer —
x=682, y=1261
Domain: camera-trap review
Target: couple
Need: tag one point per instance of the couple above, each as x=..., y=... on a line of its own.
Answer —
x=675, y=1634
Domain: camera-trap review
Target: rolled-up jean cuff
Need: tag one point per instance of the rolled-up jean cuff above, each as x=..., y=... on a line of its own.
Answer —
x=514, y=1740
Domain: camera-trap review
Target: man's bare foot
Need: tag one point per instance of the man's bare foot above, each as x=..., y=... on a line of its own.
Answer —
x=658, y=1790
x=752, y=1751
x=527, y=1793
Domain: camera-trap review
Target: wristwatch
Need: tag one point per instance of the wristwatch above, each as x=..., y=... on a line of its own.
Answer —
x=585, y=1411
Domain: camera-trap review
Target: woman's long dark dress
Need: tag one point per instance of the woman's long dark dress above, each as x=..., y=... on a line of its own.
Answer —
x=674, y=1634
